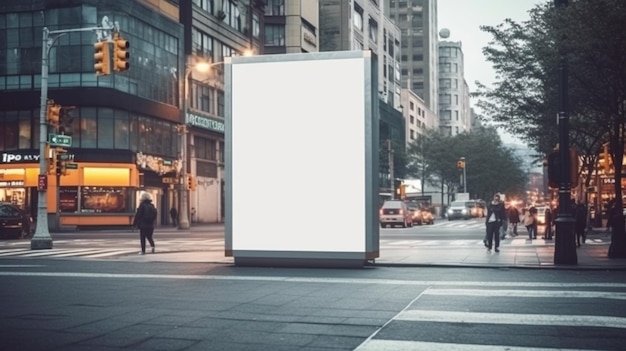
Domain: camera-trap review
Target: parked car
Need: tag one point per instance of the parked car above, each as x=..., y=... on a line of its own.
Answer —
x=427, y=216
x=416, y=212
x=14, y=223
x=395, y=212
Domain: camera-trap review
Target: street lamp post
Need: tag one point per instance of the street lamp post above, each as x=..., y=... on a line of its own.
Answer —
x=183, y=206
x=564, y=247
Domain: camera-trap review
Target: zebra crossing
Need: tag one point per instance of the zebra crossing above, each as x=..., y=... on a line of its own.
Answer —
x=99, y=248
x=508, y=316
x=517, y=241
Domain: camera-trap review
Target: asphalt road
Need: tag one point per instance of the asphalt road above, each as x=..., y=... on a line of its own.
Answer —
x=53, y=304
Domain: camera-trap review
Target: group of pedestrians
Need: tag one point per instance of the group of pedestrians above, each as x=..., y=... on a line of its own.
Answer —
x=501, y=221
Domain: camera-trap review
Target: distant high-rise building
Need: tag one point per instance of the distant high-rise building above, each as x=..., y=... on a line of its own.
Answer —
x=454, y=106
x=417, y=20
x=363, y=25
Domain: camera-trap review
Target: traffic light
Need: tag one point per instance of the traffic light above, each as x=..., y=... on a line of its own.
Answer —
x=191, y=182
x=554, y=168
x=50, y=157
x=121, y=56
x=460, y=164
x=54, y=111
x=402, y=191
x=102, y=57
x=60, y=161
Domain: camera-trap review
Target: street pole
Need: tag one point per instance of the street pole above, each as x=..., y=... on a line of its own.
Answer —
x=41, y=239
x=464, y=175
x=390, y=161
x=183, y=213
x=564, y=247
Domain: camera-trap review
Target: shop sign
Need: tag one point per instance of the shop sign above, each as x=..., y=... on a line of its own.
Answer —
x=11, y=183
x=8, y=157
x=205, y=122
x=170, y=180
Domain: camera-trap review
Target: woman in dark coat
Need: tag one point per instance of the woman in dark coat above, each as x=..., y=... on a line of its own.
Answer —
x=145, y=219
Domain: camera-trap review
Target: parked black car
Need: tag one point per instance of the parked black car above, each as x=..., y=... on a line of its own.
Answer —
x=14, y=223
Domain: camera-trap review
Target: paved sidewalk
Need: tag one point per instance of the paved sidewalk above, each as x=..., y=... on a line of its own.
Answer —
x=532, y=254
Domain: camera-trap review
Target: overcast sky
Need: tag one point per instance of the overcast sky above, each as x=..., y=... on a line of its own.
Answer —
x=464, y=17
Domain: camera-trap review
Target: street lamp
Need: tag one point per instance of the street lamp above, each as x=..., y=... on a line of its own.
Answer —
x=202, y=67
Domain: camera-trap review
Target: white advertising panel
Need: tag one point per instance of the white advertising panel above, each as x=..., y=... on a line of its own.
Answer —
x=299, y=149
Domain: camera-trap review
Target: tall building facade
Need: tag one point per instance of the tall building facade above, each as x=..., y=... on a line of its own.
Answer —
x=455, y=115
x=291, y=26
x=123, y=126
x=417, y=20
x=364, y=25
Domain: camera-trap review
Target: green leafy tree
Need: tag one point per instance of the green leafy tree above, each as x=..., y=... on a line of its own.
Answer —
x=525, y=98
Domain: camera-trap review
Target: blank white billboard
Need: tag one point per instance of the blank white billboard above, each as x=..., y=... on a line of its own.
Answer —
x=300, y=139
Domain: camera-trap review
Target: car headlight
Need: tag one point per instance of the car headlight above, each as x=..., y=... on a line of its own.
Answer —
x=464, y=210
x=450, y=211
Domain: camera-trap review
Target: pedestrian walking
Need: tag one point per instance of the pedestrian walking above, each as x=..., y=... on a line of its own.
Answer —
x=513, y=215
x=530, y=223
x=504, y=226
x=580, y=223
x=145, y=219
x=549, y=222
x=495, y=215
x=174, y=216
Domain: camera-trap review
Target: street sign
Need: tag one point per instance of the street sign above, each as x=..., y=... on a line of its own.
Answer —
x=42, y=182
x=60, y=140
x=170, y=180
x=71, y=165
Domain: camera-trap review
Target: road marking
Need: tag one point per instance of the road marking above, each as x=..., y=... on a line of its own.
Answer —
x=393, y=345
x=424, y=283
x=527, y=293
x=513, y=318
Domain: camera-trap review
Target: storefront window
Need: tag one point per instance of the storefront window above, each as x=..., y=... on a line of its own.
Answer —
x=68, y=199
x=104, y=199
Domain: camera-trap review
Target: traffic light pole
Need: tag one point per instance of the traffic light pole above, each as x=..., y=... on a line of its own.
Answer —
x=183, y=199
x=564, y=246
x=42, y=239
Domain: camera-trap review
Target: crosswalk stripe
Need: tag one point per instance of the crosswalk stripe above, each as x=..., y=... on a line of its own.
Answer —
x=513, y=318
x=393, y=345
x=527, y=293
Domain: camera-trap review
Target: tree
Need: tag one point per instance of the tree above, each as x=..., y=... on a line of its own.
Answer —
x=524, y=100
x=490, y=167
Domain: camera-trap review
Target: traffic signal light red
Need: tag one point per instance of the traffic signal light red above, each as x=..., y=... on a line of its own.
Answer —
x=191, y=182
x=102, y=58
x=120, y=54
x=53, y=113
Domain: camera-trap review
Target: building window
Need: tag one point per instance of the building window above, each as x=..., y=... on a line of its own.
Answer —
x=206, y=5
x=275, y=35
x=411, y=106
x=205, y=148
x=373, y=30
x=275, y=7
x=357, y=19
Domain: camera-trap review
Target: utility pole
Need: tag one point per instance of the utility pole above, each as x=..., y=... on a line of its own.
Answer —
x=390, y=160
x=564, y=246
x=42, y=239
